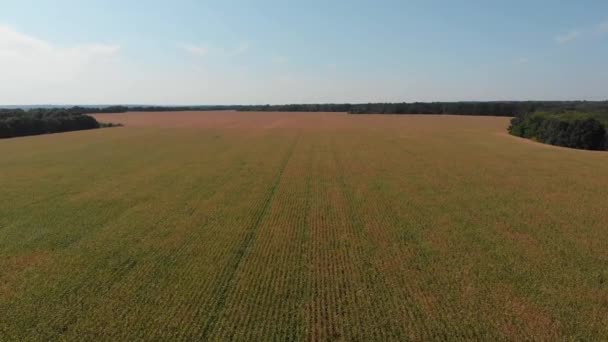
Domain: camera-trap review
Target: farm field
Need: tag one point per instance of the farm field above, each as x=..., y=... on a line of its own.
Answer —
x=301, y=226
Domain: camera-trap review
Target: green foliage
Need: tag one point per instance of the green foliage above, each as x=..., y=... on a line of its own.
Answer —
x=569, y=129
x=16, y=123
x=463, y=108
x=109, y=125
x=492, y=108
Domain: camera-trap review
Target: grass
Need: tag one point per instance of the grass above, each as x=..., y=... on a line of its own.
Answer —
x=302, y=227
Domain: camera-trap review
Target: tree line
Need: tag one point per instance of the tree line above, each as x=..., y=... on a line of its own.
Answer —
x=492, y=108
x=455, y=108
x=570, y=129
x=19, y=122
x=124, y=109
x=578, y=124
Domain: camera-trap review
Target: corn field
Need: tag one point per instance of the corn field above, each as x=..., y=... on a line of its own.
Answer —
x=312, y=226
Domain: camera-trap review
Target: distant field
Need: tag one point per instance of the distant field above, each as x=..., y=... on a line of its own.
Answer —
x=302, y=226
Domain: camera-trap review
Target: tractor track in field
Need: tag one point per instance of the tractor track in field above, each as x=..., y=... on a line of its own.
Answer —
x=228, y=280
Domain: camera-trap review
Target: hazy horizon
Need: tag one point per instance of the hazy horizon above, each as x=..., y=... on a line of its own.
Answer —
x=99, y=105
x=271, y=52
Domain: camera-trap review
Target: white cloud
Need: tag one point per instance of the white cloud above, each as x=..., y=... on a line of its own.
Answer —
x=280, y=59
x=24, y=57
x=35, y=71
x=572, y=35
x=201, y=50
x=239, y=50
x=195, y=49
x=568, y=36
x=31, y=67
x=13, y=42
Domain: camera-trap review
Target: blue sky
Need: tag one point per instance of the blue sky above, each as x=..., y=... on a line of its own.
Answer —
x=241, y=52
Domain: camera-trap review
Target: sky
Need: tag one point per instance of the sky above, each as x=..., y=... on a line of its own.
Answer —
x=189, y=52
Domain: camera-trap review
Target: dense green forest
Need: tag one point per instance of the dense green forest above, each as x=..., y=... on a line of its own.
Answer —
x=124, y=109
x=18, y=122
x=583, y=130
x=495, y=108
x=464, y=108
